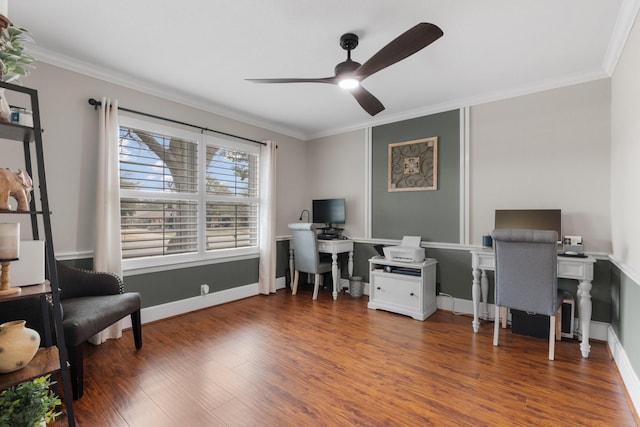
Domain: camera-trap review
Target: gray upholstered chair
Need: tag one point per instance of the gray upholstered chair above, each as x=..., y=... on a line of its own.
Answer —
x=526, y=276
x=92, y=301
x=306, y=256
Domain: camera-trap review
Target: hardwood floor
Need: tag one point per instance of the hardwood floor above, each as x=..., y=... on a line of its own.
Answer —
x=286, y=360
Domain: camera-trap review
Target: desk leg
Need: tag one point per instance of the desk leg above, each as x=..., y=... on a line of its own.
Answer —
x=484, y=285
x=350, y=265
x=475, y=294
x=291, y=265
x=334, y=273
x=584, y=297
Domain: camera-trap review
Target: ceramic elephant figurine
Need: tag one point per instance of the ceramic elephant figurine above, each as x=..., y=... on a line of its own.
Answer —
x=17, y=185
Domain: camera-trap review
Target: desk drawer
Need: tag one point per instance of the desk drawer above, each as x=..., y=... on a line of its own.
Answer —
x=397, y=289
x=572, y=270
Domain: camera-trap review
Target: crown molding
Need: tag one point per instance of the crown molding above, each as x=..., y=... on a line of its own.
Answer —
x=470, y=102
x=624, y=23
x=141, y=85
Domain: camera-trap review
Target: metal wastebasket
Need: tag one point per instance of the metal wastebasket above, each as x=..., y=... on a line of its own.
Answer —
x=355, y=286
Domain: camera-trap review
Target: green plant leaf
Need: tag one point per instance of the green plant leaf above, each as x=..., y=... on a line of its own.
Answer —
x=15, y=63
x=28, y=403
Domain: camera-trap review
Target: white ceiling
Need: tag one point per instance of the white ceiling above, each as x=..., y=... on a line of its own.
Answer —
x=200, y=51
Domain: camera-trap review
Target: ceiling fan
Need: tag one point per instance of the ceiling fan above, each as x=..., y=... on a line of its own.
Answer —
x=349, y=74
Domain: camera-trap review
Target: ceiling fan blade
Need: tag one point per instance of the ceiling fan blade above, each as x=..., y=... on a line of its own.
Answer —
x=370, y=103
x=406, y=44
x=294, y=80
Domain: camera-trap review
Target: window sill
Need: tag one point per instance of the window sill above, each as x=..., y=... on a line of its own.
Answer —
x=152, y=265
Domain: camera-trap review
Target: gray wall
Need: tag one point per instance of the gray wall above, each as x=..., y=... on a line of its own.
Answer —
x=70, y=150
x=339, y=176
x=172, y=285
x=547, y=150
x=520, y=151
x=433, y=214
x=70, y=146
x=625, y=205
x=625, y=316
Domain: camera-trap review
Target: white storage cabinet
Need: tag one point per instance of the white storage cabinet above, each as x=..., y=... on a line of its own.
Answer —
x=403, y=287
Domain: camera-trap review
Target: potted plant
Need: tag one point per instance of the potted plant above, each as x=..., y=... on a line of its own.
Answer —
x=16, y=63
x=29, y=404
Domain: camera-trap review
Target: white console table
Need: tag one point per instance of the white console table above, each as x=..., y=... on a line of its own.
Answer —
x=580, y=269
x=409, y=294
x=333, y=247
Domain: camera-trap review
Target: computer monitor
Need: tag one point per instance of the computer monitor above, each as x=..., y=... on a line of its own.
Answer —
x=530, y=219
x=329, y=211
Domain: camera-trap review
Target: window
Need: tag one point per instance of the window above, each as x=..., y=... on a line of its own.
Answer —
x=185, y=196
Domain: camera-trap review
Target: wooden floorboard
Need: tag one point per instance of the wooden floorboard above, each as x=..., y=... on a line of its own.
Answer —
x=284, y=360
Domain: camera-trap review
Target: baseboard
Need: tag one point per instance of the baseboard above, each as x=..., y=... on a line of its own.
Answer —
x=629, y=376
x=175, y=308
x=457, y=305
x=598, y=330
x=163, y=311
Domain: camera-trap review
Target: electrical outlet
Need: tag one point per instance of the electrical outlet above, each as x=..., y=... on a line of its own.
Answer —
x=204, y=289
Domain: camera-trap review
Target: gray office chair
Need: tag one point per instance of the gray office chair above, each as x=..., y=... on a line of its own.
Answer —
x=306, y=256
x=526, y=276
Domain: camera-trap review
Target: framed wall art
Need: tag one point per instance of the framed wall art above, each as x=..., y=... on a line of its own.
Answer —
x=413, y=165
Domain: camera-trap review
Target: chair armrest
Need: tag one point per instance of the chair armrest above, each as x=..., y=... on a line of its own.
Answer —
x=76, y=282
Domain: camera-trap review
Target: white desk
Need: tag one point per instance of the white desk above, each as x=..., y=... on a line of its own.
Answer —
x=333, y=247
x=580, y=269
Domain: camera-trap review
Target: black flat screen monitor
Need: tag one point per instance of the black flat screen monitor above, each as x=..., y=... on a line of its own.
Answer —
x=530, y=219
x=329, y=211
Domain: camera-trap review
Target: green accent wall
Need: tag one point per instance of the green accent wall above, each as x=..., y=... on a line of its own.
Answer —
x=173, y=285
x=434, y=214
x=625, y=316
x=282, y=260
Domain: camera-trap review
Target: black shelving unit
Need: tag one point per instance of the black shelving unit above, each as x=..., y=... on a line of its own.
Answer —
x=52, y=356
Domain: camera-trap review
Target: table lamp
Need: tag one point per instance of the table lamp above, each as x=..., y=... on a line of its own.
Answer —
x=9, y=251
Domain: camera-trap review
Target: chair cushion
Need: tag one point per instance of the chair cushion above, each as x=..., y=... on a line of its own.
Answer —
x=86, y=316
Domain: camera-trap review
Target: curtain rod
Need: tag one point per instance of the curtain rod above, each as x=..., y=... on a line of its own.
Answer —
x=97, y=103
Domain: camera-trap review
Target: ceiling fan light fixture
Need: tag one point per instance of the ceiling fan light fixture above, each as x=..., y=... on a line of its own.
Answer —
x=348, y=83
x=348, y=74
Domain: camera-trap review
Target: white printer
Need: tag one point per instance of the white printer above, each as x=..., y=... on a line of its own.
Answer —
x=408, y=251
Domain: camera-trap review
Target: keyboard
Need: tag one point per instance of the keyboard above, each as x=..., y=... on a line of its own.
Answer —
x=326, y=237
x=330, y=237
x=572, y=255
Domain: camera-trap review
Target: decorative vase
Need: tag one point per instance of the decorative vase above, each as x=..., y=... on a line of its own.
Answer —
x=5, y=110
x=18, y=345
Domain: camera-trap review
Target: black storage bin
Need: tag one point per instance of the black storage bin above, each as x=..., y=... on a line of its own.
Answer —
x=533, y=325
